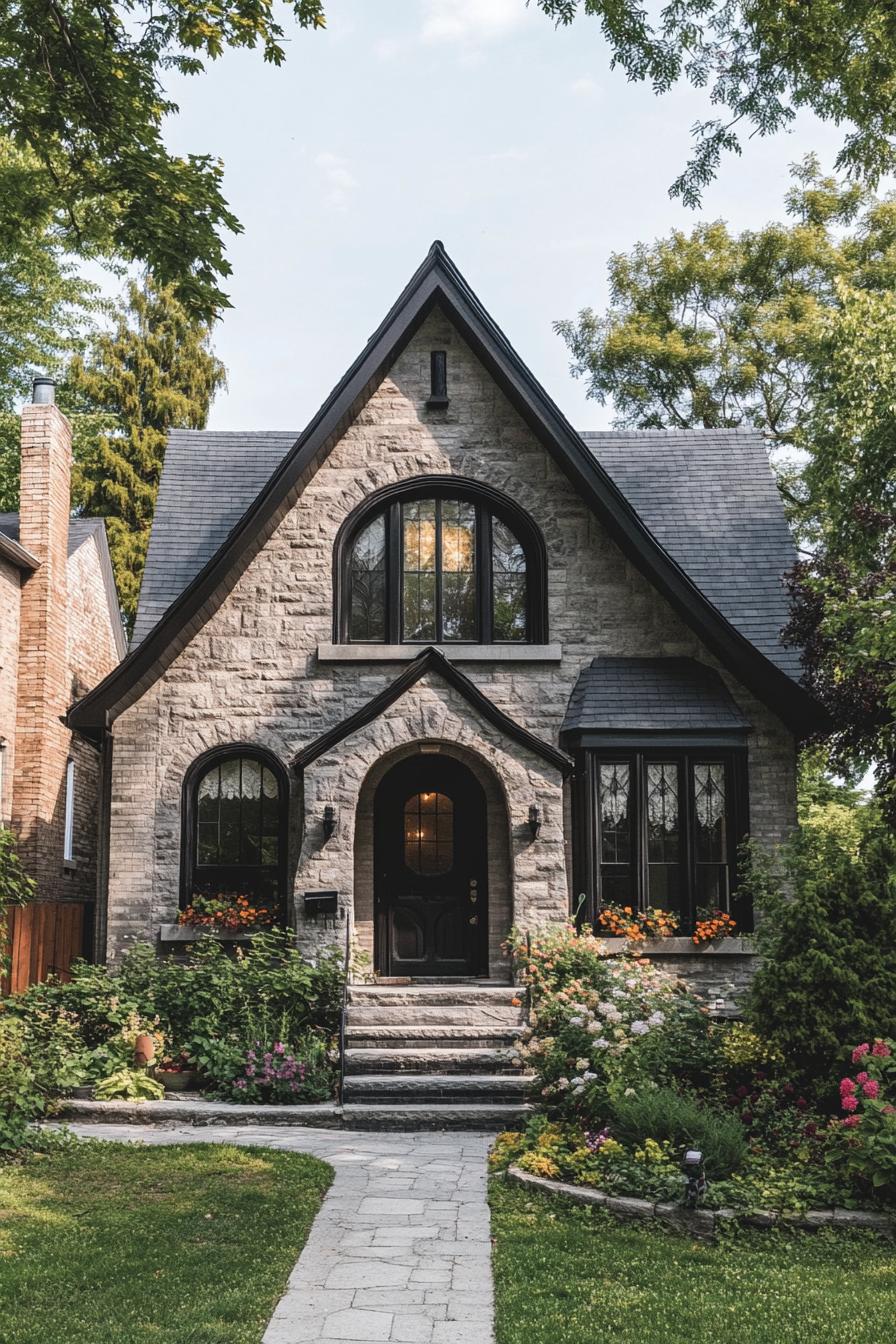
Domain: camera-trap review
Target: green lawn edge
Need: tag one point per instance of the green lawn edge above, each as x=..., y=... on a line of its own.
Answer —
x=178, y=1244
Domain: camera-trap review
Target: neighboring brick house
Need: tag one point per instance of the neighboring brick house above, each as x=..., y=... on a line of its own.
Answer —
x=60, y=634
x=448, y=659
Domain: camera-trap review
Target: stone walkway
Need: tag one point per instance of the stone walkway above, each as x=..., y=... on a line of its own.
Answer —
x=401, y=1247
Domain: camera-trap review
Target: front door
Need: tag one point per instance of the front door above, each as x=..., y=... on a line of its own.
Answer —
x=431, y=900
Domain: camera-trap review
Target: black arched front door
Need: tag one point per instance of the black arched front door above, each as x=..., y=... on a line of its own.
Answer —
x=430, y=896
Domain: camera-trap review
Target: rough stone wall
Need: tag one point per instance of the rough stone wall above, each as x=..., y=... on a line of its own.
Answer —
x=252, y=673
x=10, y=598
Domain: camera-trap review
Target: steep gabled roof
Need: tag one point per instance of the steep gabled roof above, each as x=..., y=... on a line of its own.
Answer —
x=80, y=530
x=437, y=282
x=431, y=659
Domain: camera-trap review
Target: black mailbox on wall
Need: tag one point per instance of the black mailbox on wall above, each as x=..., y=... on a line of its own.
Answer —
x=321, y=902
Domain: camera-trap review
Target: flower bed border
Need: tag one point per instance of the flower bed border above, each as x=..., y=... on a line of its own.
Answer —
x=704, y=1223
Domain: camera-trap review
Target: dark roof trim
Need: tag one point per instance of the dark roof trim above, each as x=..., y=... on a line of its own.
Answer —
x=622, y=739
x=438, y=282
x=431, y=660
x=17, y=555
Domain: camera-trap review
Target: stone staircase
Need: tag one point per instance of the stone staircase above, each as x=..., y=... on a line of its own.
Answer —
x=439, y=1056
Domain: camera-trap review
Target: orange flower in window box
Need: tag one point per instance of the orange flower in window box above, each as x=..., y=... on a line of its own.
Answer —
x=713, y=924
x=235, y=913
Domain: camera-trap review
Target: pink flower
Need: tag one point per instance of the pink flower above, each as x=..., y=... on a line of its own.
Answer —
x=889, y=1110
x=847, y=1087
x=849, y=1103
x=871, y=1088
x=860, y=1052
x=881, y=1049
x=861, y=1077
x=851, y=1121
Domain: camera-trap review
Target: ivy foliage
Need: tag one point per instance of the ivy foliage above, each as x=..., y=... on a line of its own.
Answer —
x=762, y=61
x=82, y=96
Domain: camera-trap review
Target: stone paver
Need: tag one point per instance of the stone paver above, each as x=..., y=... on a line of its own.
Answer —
x=400, y=1251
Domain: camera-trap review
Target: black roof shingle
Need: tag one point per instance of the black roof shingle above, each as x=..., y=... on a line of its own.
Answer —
x=650, y=694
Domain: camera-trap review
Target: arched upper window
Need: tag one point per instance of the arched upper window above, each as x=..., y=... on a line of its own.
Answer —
x=235, y=827
x=440, y=561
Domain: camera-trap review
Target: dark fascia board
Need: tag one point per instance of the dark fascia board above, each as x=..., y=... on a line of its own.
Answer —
x=437, y=282
x=637, y=739
x=432, y=660
x=17, y=555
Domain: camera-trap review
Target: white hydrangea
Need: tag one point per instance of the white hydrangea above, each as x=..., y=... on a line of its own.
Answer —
x=657, y=1019
x=639, y=1028
x=601, y=1043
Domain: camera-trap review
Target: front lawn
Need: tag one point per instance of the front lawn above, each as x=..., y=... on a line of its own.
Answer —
x=571, y=1275
x=191, y=1244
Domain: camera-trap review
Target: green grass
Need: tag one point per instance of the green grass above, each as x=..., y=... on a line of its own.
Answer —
x=107, y=1243
x=572, y=1275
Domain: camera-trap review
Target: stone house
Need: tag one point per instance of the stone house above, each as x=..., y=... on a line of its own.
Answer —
x=60, y=634
x=439, y=665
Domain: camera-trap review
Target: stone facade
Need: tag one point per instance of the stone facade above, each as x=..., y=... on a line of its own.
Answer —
x=261, y=670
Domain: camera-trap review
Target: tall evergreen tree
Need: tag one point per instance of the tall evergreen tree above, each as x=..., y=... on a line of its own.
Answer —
x=154, y=371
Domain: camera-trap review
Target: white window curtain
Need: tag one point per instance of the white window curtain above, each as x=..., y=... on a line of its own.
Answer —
x=68, y=847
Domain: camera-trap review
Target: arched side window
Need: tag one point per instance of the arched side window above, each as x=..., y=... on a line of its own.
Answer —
x=440, y=560
x=234, y=827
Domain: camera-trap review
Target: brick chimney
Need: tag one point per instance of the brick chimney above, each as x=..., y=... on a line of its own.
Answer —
x=42, y=741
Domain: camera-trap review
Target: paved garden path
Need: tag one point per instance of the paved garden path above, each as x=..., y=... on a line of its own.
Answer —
x=401, y=1247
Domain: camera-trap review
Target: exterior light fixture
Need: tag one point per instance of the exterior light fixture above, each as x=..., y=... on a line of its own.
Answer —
x=329, y=821
x=534, y=820
x=694, y=1177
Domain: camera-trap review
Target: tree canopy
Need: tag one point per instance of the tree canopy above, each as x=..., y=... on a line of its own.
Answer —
x=762, y=61
x=790, y=329
x=152, y=372
x=82, y=96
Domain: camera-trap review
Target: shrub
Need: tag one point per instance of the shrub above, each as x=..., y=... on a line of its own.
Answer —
x=867, y=1132
x=601, y=1024
x=16, y=888
x=665, y=1115
x=21, y=1100
x=273, y=1072
x=828, y=972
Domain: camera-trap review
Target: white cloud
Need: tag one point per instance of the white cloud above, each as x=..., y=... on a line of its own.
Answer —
x=339, y=182
x=471, y=21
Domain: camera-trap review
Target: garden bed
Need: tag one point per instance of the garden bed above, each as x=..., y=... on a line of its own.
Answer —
x=706, y=1222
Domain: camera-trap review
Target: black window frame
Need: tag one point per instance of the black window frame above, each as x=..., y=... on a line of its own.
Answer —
x=589, y=879
x=189, y=864
x=488, y=503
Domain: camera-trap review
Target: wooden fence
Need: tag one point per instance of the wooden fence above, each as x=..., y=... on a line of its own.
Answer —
x=45, y=938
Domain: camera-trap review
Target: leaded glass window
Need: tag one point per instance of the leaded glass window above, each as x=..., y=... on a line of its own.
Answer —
x=665, y=830
x=429, y=833
x=237, y=820
x=440, y=569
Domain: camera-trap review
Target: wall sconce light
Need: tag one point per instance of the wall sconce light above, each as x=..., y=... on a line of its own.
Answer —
x=329, y=821
x=534, y=820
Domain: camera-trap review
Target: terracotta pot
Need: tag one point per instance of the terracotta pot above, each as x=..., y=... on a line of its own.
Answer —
x=144, y=1050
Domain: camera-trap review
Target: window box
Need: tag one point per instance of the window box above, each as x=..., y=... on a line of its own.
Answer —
x=684, y=947
x=184, y=933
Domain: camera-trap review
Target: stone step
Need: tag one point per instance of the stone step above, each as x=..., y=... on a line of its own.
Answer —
x=496, y=1016
x=400, y=1088
x=442, y=995
x=429, y=1059
x=409, y=1037
x=435, y=1115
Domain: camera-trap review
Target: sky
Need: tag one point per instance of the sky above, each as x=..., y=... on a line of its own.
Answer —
x=473, y=121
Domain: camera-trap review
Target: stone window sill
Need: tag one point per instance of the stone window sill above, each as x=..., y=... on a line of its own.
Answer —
x=683, y=947
x=458, y=653
x=184, y=933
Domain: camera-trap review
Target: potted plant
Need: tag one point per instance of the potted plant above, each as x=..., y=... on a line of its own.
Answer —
x=231, y=912
x=176, y=1073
